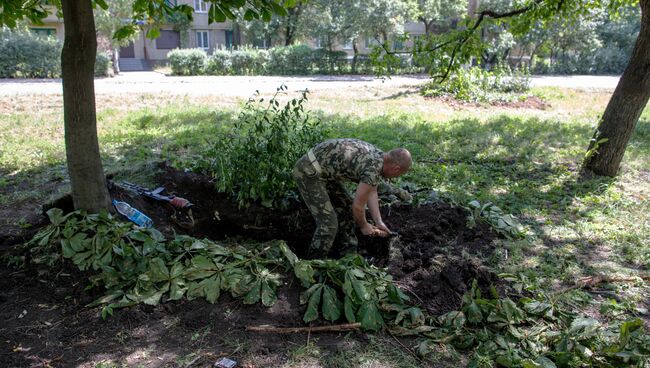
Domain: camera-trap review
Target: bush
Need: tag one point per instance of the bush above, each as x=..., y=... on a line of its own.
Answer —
x=330, y=62
x=478, y=85
x=218, y=63
x=103, y=65
x=187, y=61
x=260, y=61
x=291, y=60
x=255, y=160
x=243, y=62
x=25, y=55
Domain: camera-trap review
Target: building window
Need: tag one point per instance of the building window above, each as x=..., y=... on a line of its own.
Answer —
x=168, y=40
x=202, y=40
x=321, y=42
x=348, y=45
x=372, y=42
x=200, y=6
x=43, y=31
x=229, y=39
x=398, y=43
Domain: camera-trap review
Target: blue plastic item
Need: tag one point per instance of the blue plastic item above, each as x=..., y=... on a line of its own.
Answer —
x=133, y=214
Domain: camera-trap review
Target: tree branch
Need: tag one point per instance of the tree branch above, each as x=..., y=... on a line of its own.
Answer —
x=461, y=39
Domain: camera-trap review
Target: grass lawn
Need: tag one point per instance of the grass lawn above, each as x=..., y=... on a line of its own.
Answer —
x=525, y=161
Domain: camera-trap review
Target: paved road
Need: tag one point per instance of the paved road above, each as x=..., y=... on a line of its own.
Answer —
x=152, y=82
x=576, y=81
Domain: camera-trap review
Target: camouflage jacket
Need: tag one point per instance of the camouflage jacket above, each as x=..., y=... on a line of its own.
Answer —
x=350, y=159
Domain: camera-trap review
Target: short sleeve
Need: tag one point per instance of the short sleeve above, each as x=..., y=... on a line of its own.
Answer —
x=371, y=174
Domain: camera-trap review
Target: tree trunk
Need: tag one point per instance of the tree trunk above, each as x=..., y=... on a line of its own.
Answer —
x=291, y=22
x=630, y=97
x=427, y=25
x=87, y=178
x=116, y=60
x=355, y=57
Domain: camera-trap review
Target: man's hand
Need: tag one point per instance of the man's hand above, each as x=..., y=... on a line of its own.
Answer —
x=381, y=226
x=370, y=230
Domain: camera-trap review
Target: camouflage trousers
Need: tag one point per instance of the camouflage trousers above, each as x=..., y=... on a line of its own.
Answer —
x=331, y=205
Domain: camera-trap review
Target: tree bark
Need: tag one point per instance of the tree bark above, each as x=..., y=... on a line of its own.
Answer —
x=630, y=97
x=427, y=25
x=87, y=178
x=355, y=57
x=116, y=60
x=291, y=23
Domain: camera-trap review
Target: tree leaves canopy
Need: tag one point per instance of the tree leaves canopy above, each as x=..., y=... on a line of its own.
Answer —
x=146, y=12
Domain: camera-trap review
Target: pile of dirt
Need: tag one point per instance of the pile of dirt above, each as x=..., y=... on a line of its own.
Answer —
x=428, y=257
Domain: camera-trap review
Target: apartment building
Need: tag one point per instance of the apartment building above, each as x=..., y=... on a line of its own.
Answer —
x=142, y=52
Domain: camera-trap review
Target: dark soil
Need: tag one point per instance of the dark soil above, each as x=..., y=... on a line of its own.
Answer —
x=44, y=321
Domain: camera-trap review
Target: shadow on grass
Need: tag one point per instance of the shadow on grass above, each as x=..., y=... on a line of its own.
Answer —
x=527, y=166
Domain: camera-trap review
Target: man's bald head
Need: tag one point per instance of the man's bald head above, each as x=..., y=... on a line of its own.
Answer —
x=400, y=157
x=397, y=162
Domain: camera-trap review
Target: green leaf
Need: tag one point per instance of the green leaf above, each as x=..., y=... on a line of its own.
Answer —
x=304, y=297
x=277, y=9
x=194, y=290
x=370, y=317
x=215, y=14
x=102, y=4
x=360, y=290
x=82, y=259
x=584, y=327
x=177, y=289
x=68, y=252
x=628, y=327
x=268, y=294
x=473, y=313
x=139, y=235
x=288, y=254
x=156, y=235
x=253, y=295
x=197, y=244
x=304, y=272
x=55, y=214
x=311, y=313
x=349, y=308
x=158, y=271
x=77, y=242
x=396, y=295
x=154, y=32
x=125, y=32
x=153, y=298
x=106, y=298
x=212, y=288
x=250, y=15
x=331, y=304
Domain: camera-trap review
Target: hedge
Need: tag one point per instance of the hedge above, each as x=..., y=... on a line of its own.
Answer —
x=27, y=55
x=284, y=60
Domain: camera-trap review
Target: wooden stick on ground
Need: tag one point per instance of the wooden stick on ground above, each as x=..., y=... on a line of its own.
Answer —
x=591, y=281
x=332, y=328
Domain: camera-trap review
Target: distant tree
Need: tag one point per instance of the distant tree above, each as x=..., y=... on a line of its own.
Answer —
x=87, y=179
x=340, y=22
x=108, y=21
x=447, y=52
x=440, y=15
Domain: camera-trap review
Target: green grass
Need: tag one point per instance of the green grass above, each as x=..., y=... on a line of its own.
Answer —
x=524, y=161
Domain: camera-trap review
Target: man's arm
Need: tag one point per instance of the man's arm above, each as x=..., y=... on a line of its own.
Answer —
x=367, y=194
x=373, y=206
